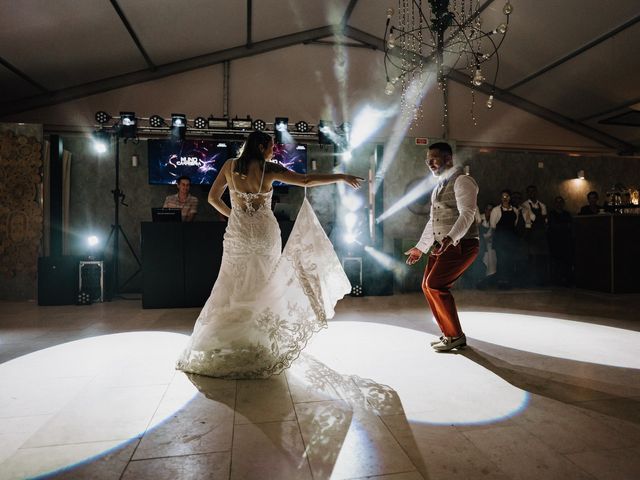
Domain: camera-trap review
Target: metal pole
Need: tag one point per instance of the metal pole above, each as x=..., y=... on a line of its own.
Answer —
x=116, y=226
x=225, y=89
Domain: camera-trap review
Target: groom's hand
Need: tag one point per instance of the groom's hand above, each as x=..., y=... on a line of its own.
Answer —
x=414, y=255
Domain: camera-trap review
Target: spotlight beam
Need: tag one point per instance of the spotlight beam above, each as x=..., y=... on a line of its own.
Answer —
x=399, y=269
x=414, y=95
x=424, y=187
x=367, y=122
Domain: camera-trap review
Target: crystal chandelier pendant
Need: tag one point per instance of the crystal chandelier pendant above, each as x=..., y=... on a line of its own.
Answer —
x=389, y=89
x=430, y=37
x=478, y=79
x=391, y=41
x=490, y=102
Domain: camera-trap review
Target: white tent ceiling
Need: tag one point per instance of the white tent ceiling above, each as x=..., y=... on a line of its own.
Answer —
x=574, y=62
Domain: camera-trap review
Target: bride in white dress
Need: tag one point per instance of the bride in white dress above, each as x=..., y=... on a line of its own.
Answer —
x=265, y=304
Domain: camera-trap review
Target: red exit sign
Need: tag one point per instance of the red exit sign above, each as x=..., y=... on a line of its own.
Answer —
x=422, y=141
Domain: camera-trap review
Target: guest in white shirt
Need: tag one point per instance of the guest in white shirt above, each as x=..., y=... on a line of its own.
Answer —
x=503, y=221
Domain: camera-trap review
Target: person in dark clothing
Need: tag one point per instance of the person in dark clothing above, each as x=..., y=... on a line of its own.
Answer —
x=503, y=220
x=560, y=237
x=592, y=208
x=535, y=237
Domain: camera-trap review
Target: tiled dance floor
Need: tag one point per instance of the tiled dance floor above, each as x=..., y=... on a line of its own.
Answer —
x=549, y=388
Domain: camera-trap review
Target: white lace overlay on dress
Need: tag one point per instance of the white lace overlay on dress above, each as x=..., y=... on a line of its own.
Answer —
x=265, y=306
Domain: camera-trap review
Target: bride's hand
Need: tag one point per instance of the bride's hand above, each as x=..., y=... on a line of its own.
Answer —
x=352, y=180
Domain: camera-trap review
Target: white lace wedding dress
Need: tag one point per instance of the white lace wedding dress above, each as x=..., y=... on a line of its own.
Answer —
x=265, y=305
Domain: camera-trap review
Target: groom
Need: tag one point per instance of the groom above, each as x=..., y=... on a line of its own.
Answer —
x=452, y=240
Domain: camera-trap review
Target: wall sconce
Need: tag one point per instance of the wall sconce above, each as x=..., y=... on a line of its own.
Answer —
x=467, y=169
x=134, y=160
x=581, y=174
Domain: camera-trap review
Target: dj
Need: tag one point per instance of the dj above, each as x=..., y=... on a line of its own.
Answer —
x=187, y=203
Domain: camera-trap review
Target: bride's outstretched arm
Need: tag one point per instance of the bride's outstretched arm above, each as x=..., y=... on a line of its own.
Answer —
x=217, y=189
x=315, y=179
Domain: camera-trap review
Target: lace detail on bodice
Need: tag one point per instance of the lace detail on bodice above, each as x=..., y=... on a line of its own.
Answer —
x=250, y=203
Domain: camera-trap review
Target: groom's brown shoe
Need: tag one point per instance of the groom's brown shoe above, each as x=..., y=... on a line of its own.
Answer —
x=449, y=343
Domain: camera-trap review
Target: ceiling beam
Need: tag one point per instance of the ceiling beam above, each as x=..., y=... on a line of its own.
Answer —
x=249, y=22
x=620, y=146
x=353, y=33
x=620, y=106
x=514, y=100
x=120, y=81
x=22, y=75
x=132, y=33
x=341, y=44
x=577, y=52
x=348, y=12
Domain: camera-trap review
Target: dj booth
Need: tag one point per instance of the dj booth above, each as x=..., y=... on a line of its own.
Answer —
x=181, y=261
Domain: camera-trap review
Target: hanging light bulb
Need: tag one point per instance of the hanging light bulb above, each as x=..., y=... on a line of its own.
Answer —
x=502, y=28
x=389, y=88
x=490, y=102
x=477, y=78
x=390, y=11
x=391, y=41
x=508, y=8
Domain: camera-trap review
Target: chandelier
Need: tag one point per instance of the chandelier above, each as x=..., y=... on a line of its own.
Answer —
x=447, y=35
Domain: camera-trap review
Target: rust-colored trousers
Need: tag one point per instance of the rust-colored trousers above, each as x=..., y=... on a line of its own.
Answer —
x=441, y=273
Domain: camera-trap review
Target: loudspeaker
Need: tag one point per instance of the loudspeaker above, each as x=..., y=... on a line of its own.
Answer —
x=377, y=280
x=91, y=279
x=57, y=280
x=353, y=268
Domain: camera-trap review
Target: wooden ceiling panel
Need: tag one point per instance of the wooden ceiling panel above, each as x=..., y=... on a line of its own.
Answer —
x=275, y=18
x=544, y=31
x=172, y=30
x=64, y=43
x=599, y=78
x=371, y=15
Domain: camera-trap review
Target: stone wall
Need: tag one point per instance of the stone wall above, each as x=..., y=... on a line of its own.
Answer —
x=21, y=213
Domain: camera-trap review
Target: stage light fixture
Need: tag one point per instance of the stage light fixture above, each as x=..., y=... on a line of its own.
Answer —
x=101, y=140
x=350, y=237
x=260, y=125
x=218, y=122
x=325, y=129
x=178, y=126
x=102, y=117
x=200, y=123
x=92, y=240
x=156, y=121
x=241, y=123
x=280, y=126
x=302, y=127
x=128, y=127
